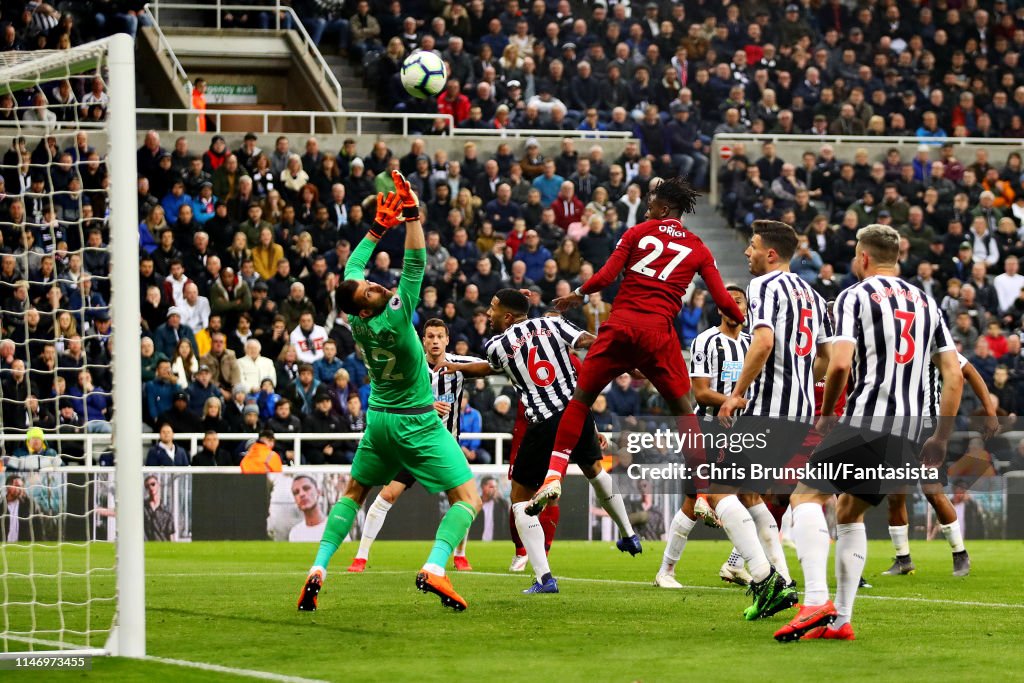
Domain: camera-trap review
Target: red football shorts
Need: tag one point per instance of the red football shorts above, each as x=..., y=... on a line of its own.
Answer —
x=646, y=344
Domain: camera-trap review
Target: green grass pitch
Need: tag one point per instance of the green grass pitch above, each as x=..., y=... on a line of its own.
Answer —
x=233, y=605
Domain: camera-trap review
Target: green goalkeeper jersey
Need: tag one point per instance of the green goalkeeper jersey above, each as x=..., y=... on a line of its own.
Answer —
x=392, y=351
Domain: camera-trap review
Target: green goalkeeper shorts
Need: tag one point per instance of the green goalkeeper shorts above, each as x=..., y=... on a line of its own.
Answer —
x=418, y=443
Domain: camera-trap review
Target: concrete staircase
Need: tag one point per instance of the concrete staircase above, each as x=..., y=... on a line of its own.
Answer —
x=726, y=244
x=354, y=96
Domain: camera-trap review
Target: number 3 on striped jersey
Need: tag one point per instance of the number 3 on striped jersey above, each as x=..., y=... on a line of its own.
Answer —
x=542, y=372
x=657, y=247
x=907, y=318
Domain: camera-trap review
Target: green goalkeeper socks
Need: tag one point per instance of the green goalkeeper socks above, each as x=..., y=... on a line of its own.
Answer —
x=453, y=529
x=339, y=523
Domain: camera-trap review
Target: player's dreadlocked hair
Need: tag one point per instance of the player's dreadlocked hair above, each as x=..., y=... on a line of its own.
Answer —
x=677, y=193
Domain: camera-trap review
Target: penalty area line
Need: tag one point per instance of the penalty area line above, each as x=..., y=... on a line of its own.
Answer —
x=623, y=582
x=248, y=673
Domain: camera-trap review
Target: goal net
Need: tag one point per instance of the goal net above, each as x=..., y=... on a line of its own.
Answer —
x=69, y=298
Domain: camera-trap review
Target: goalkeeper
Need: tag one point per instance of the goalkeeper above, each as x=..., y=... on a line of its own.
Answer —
x=402, y=428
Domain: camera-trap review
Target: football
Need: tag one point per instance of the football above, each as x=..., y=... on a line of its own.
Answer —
x=424, y=74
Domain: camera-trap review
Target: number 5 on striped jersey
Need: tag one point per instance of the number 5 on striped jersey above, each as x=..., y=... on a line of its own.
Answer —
x=804, y=330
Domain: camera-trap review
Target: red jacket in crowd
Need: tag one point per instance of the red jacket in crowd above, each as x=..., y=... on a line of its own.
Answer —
x=458, y=109
x=567, y=211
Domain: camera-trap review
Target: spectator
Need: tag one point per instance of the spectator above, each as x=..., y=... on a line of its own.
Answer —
x=254, y=368
x=322, y=420
x=165, y=453
x=184, y=363
x=211, y=413
x=471, y=422
x=32, y=523
x=201, y=389
x=212, y=454
x=533, y=254
x=355, y=423
x=806, y=262
x=159, y=392
x=596, y=312
x=691, y=318
x=284, y=422
x=222, y=363
x=328, y=365
x=171, y=332
x=983, y=360
x=1008, y=285
x=567, y=206
x=179, y=417
x=623, y=399
x=261, y=457
x=34, y=455
x=500, y=418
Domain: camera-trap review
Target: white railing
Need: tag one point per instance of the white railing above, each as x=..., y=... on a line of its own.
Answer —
x=333, y=118
x=541, y=133
x=187, y=116
x=164, y=45
x=816, y=141
x=218, y=8
x=96, y=443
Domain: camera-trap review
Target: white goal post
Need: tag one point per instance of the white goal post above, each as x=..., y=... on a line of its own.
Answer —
x=26, y=588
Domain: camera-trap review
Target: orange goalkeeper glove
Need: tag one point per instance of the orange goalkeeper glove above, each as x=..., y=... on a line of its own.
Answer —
x=410, y=202
x=389, y=214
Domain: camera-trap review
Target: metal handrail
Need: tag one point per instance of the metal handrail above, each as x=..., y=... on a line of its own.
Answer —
x=312, y=116
x=359, y=116
x=541, y=133
x=92, y=440
x=878, y=139
x=218, y=7
x=166, y=47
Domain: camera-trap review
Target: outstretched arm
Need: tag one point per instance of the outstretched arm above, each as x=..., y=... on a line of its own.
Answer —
x=478, y=369
x=415, y=262
x=602, y=278
x=713, y=279
x=388, y=210
x=611, y=269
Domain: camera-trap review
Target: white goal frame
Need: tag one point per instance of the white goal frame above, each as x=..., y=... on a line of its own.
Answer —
x=127, y=637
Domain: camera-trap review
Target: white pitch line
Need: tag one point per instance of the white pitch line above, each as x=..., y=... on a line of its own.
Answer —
x=623, y=582
x=249, y=673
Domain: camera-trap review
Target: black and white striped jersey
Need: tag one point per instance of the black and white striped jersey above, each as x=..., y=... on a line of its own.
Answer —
x=534, y=354
x=786, y=304
x=448, y=388
x=719, y=357
x=896, y=329
x=935, y=379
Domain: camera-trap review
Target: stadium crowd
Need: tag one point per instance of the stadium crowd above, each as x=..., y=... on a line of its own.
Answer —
x=961, y=234
x=241, y=249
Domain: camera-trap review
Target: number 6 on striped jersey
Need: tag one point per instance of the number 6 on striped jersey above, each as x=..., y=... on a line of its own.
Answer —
x=542, y=372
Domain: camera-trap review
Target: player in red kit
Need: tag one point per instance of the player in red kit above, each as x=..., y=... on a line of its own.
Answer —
x=659, y=259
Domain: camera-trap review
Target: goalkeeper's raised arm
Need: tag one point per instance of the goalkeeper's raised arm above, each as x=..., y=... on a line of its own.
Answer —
x=366, y=299
x=415, y=263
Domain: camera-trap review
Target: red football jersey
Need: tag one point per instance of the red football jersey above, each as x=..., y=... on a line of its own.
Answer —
x=659, y=259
